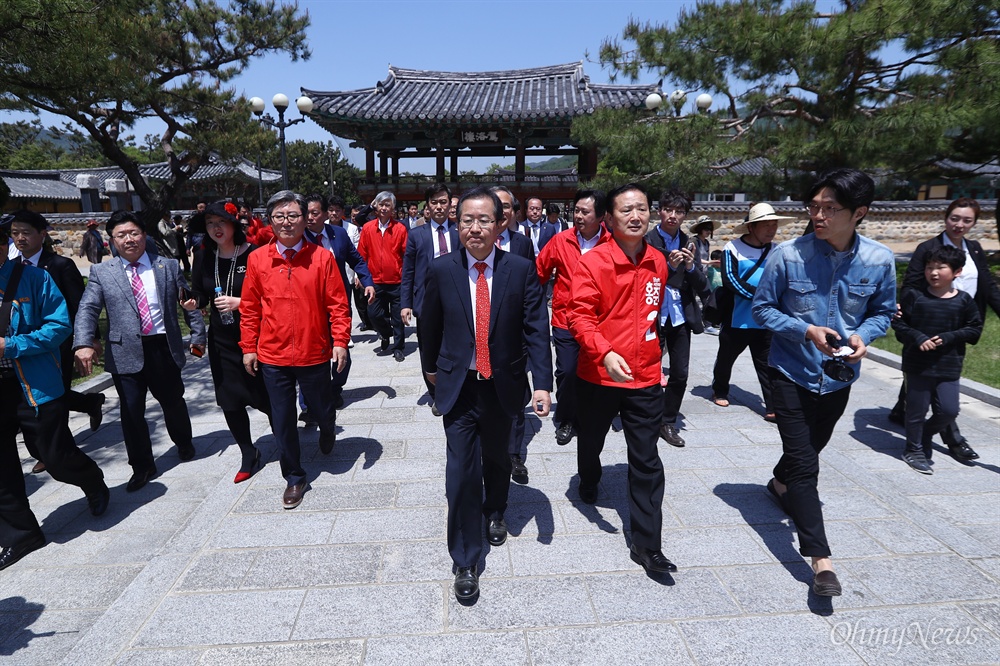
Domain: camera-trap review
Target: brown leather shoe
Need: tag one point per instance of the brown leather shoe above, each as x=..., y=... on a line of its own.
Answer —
x=293, y=495
x=825, y=584
x=38, y=468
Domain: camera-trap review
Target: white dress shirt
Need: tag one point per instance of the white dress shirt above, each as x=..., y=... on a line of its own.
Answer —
x=148, y=276
x=473, y=278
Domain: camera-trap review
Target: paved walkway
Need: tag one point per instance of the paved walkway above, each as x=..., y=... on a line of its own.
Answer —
x=196, y=570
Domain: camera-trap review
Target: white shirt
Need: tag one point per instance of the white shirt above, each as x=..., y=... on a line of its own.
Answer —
x=148, y=277
x=383, y=227
x=297, y=247
x=473, y=277
x=434, y=238
x=12, y=251
x=355, y=235
x=33, y=260
x=968, y=279
x=534, y=231
x=588, y=245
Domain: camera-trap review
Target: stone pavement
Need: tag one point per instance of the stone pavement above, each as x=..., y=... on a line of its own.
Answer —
x=196, y=570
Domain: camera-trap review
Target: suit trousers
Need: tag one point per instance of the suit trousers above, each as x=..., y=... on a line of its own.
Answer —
x=361, y=302
x=337, y=381
x=63, y=459
x=640, y=411
x=314, y=382
x=424, y=368
x=385, y=316
x=477, y=433
x=567, y=353
x=677, y=343
x=805, y=423
x=732, y=343
x=161, y=377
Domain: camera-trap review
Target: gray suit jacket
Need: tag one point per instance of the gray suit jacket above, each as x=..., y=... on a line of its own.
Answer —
x=108, y=288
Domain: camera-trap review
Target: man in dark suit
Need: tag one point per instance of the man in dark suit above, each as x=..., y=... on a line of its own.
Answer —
x=144, y=349
x=483, y=309
x=680, y=314
x=537, y=229
x=425, y=243
x=336, y=239
x=28, y=230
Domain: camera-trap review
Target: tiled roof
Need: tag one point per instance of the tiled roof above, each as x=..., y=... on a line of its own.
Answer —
x=413, y=97
x=61, y=184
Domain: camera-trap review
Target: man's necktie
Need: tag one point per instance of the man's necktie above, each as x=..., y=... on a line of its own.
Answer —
x=442, y=241
x=289, y=255
x=26, y=261
x=145, y=318
x=497, y=241
x=483, y=366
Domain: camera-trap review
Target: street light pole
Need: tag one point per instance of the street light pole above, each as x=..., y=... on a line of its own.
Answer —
x=280, y=102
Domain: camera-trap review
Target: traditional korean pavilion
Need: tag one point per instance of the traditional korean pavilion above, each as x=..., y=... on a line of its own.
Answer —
x=525, y=113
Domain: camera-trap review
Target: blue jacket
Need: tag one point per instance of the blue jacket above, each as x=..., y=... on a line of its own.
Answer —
x=804, y=285
x=344, y=251
x=39, y=321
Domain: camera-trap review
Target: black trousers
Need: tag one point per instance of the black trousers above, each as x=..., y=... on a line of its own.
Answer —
x=384, y=313
x=640, y=411
x=338, y=380
x=942, y=396
x=54, y=441
x=428, y=368
x=314, y=382
x=677, y=342
x=950, y=433
x=161, y=377
x=732, y=343
x=567, y=352
x=477, y=470
x=805, y=423
x=361, y=301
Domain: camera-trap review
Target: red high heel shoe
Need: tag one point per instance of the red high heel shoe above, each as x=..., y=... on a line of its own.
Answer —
x=242, y=476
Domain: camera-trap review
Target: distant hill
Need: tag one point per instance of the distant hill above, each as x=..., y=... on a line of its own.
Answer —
x=559, y=162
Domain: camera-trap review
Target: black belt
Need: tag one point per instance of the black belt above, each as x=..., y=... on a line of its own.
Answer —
x=474, y=374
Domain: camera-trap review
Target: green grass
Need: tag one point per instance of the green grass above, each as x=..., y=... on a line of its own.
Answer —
x=982, y=361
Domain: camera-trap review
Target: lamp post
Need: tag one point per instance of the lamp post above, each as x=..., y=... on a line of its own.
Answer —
x=677, y=98
x=280, y=102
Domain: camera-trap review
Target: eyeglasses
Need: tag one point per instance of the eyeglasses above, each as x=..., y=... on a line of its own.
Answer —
x=291, y=217
x=127, y=234
x=827, y=211
x=470, y=222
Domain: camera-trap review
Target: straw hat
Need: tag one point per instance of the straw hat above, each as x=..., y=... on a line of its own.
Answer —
x=704, y=219
x=761, y=212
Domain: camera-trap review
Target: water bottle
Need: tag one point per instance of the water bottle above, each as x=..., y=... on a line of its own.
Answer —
x=227, y=316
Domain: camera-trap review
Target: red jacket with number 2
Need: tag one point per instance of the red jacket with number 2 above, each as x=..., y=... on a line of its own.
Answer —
x=293, y=314
x=614, y=306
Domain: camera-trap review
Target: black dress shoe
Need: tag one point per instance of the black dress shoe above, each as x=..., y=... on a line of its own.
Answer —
x=186, y=452
x=962, y=452
x=12, y=554
x=564, y=434
x=517, y=468
x=652, y=560
x=96, y=411
x=98, y=501
x=825, y=584
x=326, y=442
x=398, y=355
x=307, y=418
x=897, y=416
x=496, y=532
x=588, y=494
x=466, y=583
x=434, y=409
x=671, y=436
x=139, y=479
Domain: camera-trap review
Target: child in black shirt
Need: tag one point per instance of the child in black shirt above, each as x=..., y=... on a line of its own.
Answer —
x=934, y=327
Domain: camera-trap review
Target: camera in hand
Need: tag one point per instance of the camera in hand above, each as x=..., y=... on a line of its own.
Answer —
x=835, y=368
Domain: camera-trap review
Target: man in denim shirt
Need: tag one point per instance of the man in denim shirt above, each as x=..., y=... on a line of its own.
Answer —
x=830, y=285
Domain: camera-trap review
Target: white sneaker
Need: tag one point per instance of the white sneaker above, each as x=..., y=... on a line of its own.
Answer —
x=350, y=344
x=711, y=330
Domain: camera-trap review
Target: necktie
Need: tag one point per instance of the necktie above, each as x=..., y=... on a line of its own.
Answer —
x=442, y=241
x=482, y=322
x=25, y=261
x=497, y=241
x=145, y=318
x=289, y=255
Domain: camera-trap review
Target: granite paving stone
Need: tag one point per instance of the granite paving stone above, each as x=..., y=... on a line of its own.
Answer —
x=313, y=566
x=156, y=657
x=328, y=653
x=953, y=579
x=473, y=649
x=414, y=608
x=616, y=645
x=388, y=524
x=638, y=596
x=511, y=603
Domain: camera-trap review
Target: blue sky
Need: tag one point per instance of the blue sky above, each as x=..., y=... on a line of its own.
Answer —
x=353, y=43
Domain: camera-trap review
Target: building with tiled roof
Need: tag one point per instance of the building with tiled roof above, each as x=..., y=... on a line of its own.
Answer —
x=524, y=113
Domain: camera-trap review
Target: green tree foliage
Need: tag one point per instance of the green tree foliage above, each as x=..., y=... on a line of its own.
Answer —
x=309, y=165
x=104, y=64
x=892, y=84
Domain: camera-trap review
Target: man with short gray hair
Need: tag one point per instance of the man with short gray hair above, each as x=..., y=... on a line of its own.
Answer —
x=293, y=318
x=383, y=245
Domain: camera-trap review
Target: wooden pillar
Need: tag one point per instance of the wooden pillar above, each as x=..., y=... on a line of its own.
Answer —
x=370, y=164
x=395, y=167
x=439, y=155
x=519, y=162
x=383, y=167
x=586, y=166
x=454, y=165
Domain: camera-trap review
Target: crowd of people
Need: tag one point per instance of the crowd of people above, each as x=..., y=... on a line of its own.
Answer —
x=626, y=295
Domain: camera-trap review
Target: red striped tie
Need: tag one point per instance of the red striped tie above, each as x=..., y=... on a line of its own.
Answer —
x=483, y=366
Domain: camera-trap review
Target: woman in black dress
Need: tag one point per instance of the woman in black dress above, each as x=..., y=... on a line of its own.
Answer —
x=217, y=277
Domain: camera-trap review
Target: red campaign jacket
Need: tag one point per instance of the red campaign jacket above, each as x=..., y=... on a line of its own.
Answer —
x=562, y=254
x=293, y=315
x=384, y=252
x=258, y=233
x=614, y=306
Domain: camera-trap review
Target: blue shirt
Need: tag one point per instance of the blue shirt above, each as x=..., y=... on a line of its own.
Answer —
x=671, y=310
x=806, y=282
